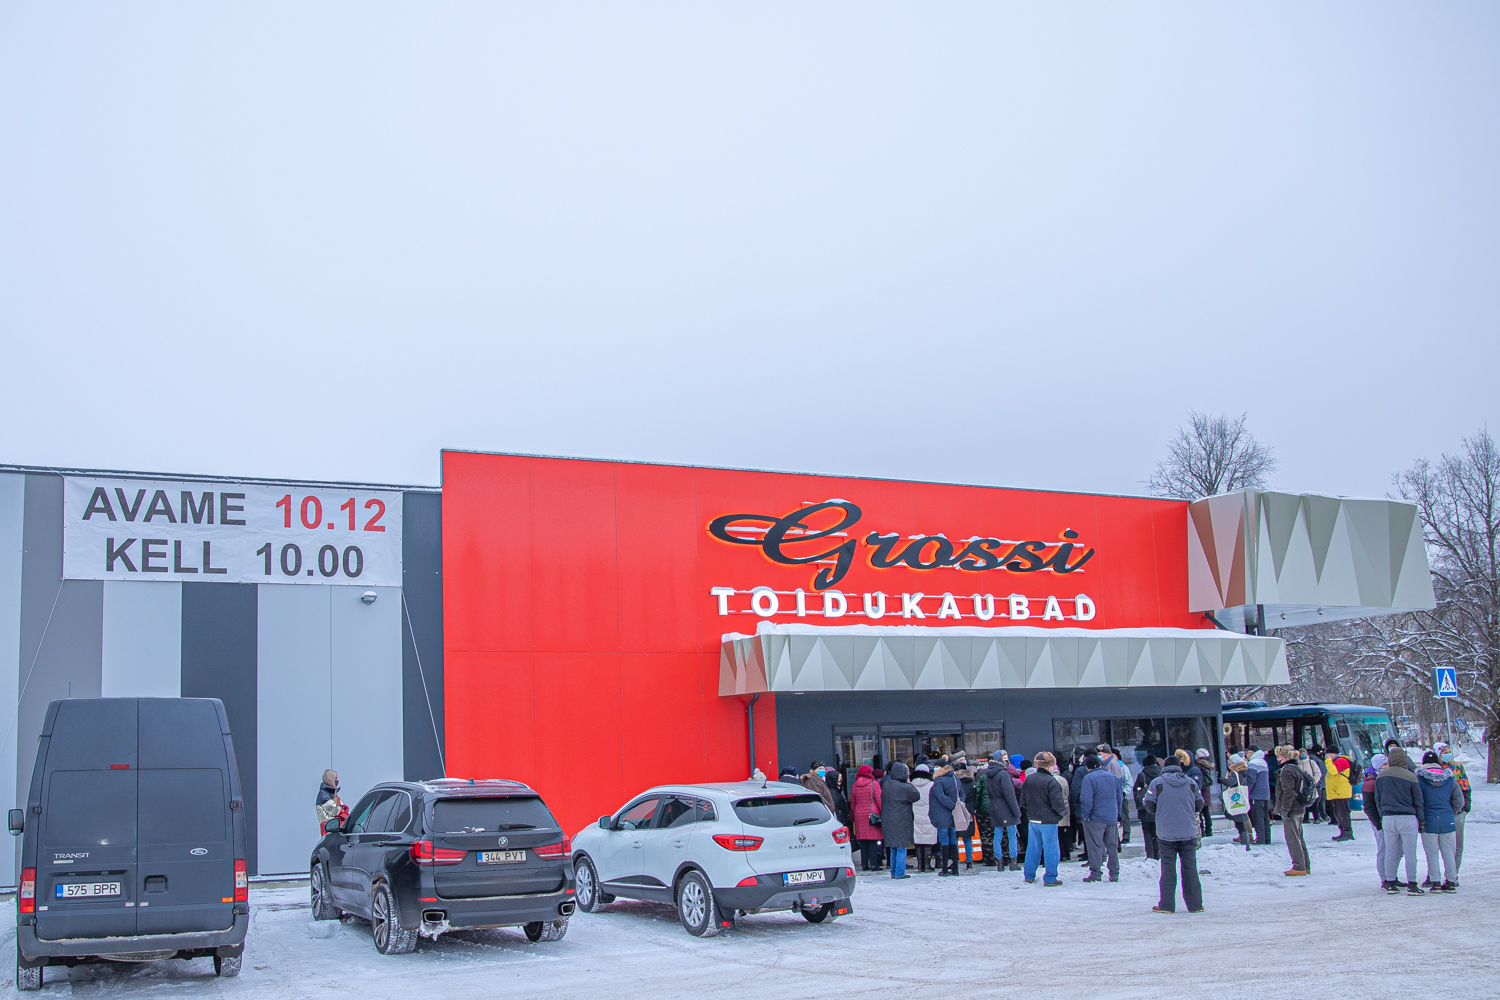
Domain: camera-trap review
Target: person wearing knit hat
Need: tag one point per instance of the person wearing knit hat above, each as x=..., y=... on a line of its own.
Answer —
x=1045, y=804
x=1290, y=782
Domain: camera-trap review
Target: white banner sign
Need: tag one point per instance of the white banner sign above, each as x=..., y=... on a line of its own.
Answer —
x=136, y=529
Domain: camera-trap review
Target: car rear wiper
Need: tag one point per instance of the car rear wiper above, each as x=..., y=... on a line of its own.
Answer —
x=806, y=819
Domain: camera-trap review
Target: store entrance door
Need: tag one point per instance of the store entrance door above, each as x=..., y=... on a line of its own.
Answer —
x=932, y=743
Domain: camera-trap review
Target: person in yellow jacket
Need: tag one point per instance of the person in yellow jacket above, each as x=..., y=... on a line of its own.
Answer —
x=1339, y=791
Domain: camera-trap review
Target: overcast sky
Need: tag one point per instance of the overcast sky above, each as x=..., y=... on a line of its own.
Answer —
x=992, y=243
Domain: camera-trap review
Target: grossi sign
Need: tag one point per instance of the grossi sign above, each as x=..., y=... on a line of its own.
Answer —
x=826, y=536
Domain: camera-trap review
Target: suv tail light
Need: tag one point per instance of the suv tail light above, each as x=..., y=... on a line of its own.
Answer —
x=241, y=882
x=423, y=853
x=28, y=890
x=841, y=835
x=738, y=842
x=560, y=850
x=749, y=880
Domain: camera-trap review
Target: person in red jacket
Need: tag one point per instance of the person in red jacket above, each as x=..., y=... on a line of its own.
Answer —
x=864, y=800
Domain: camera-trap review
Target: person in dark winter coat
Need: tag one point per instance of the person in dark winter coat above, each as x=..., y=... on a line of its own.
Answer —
x=968, y=795
x=789, y=776
x=1260, y=796
x=1399, y=799
x=1150, y=771
x=897, y=820
x=1291, y=780
x=867, y=798
x=1045, y=803
x=328, y=803
x=1100, y=808
x=1174, y=801
x=1203, y=763
x=1005, y=812
x=1070, y=831
x=940, y=802
x=840, y=801
x=1442, y=801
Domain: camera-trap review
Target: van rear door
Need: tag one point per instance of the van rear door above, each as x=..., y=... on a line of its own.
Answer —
x=86, y=844
x=186, y=860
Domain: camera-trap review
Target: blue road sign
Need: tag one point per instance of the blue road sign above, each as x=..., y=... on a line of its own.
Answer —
x=1445, y=682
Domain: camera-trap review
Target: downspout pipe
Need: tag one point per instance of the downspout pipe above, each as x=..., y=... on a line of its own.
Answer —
x=750, y=717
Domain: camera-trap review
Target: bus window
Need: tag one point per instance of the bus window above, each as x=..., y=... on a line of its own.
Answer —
x=1367, y=735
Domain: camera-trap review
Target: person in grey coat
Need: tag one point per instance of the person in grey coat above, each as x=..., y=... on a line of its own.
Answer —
x=897, y=822
x=1174, y=800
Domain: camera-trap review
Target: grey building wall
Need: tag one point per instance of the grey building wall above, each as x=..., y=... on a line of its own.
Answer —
x=310, y=676
x=422, y=634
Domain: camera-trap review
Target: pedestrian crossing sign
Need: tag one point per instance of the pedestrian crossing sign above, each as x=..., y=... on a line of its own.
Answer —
x=1445, y=682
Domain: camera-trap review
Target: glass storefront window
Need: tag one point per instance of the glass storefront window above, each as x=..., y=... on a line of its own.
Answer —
x=1192, y=734
x=1138, y=738
x=899, y=748
x=982, y=741
x=1074, y=734
x=855, y=750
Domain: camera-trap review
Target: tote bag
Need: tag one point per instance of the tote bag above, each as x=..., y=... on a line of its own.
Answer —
x=1236, y=800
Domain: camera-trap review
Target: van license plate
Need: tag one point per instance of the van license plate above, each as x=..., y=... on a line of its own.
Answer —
x=501, y=857
x=801, y=878
x=87, y=890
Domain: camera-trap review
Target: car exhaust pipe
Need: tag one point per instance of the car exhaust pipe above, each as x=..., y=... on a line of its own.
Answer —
x=433, y=916
x=566, y=909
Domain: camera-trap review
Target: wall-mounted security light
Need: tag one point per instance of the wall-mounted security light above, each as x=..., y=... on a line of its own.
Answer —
x=368, y=597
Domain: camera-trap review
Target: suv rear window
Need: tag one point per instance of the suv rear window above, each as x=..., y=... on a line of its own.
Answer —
x=782, y=810
x=490, y=815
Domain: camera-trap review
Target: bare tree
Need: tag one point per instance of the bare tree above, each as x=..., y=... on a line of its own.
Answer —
x=1211, y=455
x=1459, y=501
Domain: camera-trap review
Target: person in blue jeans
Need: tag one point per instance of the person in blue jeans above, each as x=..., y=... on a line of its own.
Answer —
x=897, y=819
x=1045, y=803
x=944, y=796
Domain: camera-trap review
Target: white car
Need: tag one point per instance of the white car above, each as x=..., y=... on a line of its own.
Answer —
x=718, y=850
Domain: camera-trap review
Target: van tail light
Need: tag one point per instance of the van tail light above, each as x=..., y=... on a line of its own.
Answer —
x=738, y=842
x=849, y=872
x=28, y=890
x=560, y=850
x=747, y=881
x=423, y=853
x=841, y=835
x=241, y=882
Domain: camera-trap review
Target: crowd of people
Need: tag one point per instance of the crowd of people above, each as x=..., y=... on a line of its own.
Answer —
x=1031, y=815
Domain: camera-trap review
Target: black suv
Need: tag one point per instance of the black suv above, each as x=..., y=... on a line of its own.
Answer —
x=422, y=858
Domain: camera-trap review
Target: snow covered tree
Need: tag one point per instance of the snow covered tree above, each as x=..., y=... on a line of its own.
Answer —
x=1211, y=455
x=1459, y=501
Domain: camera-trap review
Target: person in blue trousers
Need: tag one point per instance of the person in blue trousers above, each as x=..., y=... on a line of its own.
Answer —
x=1045, y=804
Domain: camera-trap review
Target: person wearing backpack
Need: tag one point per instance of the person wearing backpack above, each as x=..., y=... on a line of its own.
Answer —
x=1295, y=793
x=1150, y=771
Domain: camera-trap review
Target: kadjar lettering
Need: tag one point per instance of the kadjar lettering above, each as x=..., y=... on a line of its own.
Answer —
x=890, y=549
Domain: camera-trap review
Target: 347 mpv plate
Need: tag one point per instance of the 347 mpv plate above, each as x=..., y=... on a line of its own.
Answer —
x=501, y=857
x=87, y=890
x=801, y=878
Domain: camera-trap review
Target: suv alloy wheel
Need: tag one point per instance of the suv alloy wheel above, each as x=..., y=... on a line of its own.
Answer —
x=385, y=924
x=591, y=896
x=322, y=898
x=695, y=905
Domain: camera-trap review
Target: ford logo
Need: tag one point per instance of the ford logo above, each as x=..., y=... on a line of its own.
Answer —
x=504, y=841
x=198, y=852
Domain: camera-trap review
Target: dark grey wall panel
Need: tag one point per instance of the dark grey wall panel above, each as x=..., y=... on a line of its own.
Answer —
x=219, y=661
x=62, y=623
x=422, y=634
x=804, y=722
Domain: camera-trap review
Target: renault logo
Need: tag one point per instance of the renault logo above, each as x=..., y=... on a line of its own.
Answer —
x=504, y=841
x=801, y=838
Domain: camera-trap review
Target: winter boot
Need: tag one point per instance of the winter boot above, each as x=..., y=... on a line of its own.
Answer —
x=1015, y=866
x=943, y=859
x=1412, y=889
x=1448, y=887
x=952, y=859
x=1392, y=888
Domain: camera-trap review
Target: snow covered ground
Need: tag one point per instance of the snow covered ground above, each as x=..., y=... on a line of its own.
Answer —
x=1333, y=934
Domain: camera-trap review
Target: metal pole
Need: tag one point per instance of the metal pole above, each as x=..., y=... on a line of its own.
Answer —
x=1448, y=716
x=750, y=714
